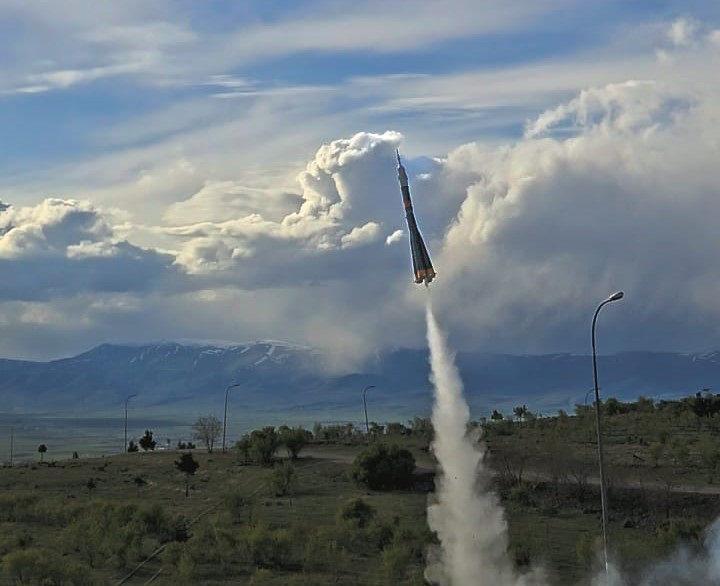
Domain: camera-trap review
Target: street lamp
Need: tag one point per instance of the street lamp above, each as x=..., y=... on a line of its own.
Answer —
x=127, y=399
x=603, y=493
x=367, y=423
x=227, y=392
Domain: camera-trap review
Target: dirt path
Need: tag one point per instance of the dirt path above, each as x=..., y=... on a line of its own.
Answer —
x=347, y=457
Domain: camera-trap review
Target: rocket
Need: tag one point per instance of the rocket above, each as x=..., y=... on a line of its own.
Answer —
x=422, y=267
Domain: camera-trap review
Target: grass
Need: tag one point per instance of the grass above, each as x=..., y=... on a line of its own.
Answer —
x=241, y=532
x=323, y=486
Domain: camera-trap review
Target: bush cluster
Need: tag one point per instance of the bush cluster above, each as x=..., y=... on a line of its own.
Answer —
x=382, y=467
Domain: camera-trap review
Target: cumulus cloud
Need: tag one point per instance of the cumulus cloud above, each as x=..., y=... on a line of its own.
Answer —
x=682, y=32
x=341, y=204
x=62, y=247
x=625, y=198
x=395, y=237
x=632, y=106
x=612, y=187
x=361, y=235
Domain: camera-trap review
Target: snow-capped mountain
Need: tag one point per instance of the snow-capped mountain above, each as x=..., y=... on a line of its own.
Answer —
x=278, y=377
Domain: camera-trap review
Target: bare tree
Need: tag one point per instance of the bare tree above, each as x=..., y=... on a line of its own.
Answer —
x=207, y=429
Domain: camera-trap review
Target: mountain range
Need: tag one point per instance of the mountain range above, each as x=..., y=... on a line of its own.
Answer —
x=280, y=378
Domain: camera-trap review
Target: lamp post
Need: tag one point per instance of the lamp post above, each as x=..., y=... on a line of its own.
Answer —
x=227, y=392
x=12, y=442
x=127, y=400
x=367, y=423
x=603, y=493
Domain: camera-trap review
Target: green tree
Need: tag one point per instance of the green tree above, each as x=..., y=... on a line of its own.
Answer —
x=496, y=415
x=147, y=442
x=262, y=445
x=294, y=439
x=520, y=412
x=132, y=446
x=396, y=428
x=207, y=429
x=42, y=448
x=380, y=467
x=188, y=466
x=243, y=446
x=612, y=407
x=421, y=426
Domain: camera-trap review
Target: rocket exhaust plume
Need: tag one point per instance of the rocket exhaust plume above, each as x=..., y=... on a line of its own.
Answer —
x=469, y=520
x=466, y=514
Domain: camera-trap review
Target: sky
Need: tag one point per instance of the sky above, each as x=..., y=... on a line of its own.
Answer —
x=224, y=171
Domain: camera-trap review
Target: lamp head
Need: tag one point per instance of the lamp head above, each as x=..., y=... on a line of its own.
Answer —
x=616, y=296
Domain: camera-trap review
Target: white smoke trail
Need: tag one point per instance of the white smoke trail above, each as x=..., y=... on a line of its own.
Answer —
x=467, y=515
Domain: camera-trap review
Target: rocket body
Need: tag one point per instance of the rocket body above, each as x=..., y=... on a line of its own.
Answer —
x=422, y=267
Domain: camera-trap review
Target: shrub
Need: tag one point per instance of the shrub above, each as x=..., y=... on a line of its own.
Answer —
x=171, y=556
x=396, y=428
x=380, y=467
x=12, y=541
x=358, y=512
x=679, y=530
x=521, y=494
x=104, y=534
x=379, y=534
x=261, y=577
x=323, y=552
x=260, y=445
x=235, y=504
x=36, y=566
x=153, y=520
x=267, y=548
x=585, y=549
x=283, y=479
x=14, y=508
x=395, y=562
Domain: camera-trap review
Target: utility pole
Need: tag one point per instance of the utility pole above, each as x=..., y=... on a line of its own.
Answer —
x=12, y=442
x=127, y=399
x=367, y=423
x=227, y=392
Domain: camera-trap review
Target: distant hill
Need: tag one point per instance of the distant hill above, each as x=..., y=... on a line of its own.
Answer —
x=279, y=377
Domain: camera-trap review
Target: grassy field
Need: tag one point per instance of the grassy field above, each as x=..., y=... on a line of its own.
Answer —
x=94, y=521
x=50, y=507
